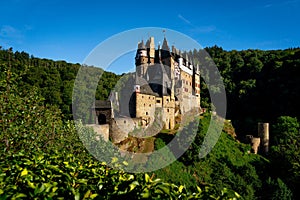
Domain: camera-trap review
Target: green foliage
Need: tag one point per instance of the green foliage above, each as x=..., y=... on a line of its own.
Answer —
x=54, y=80
x=53, y=176
x=260, y=85
x=43, y=158
x=277, y=190
x=228, y=165
x=285, y=151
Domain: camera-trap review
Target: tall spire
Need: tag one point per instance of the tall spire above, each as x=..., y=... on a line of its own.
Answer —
x=165, y=45
x=141, y=45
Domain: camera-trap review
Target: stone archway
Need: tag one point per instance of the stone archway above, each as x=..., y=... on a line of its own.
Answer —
x=101, y=118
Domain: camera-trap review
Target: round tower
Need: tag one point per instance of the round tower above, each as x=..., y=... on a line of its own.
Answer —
x=141, y=59
x=263, y=133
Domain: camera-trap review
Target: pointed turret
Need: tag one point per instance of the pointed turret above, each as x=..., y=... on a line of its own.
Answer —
x=165, y=50
x=165, y=45
x=141, y=59
x=186, y=60
x=141, y=45
x=141, y=54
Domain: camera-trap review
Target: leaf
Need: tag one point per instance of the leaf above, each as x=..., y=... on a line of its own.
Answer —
x=146, y=194
x=87, y=194
x=77, y=196
x=181, y=187
x=133, y=185
x=199, y=189
x=30, y=184
x=147, y=178
x=164, y=189
x=20, y=195
x=237, y=195
x=131, y=177
x=24, y=172
x=54, y=189
x=39, y=190
x=93, y=196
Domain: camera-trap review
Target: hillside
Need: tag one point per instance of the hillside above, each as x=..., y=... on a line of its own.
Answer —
x=43, y=157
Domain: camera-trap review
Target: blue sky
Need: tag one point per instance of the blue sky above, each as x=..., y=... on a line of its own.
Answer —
x=69, y=30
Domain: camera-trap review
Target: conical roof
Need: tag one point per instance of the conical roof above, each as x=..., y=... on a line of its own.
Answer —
x=141, y=45
x=165, y=45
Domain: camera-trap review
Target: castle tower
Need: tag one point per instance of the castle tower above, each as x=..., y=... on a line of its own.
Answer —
x=168, y=61
x=168, y=100
x=263, y=133
x=141, y=59
x=197, y=84
x=151, y=50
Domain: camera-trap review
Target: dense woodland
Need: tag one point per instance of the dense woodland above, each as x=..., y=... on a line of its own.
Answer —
x=43, y=157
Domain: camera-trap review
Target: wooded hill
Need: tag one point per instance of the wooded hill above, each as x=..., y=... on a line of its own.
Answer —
x=42, y=156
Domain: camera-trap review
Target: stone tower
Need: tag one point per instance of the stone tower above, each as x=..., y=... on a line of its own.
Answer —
x=141, y=59
x=151, y=50
x=167, y=59
x=263, y=133
x=196, y=83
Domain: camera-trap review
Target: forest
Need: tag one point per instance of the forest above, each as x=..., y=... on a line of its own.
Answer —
x=42, y=156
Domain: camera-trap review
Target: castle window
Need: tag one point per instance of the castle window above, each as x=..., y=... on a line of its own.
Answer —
x=142, y=97
x=157, y=101
x=124, y=121
x=149, y=105
x=149, y=97
x=146, y=113
x=168, y=110
x=144, y=104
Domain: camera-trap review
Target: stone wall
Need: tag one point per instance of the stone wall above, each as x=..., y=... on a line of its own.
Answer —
x=145, y=106
x=120, y=127
x=168, y=112
x=186, y=82
x=100, y=130
x=255, y=143
x=197, y=89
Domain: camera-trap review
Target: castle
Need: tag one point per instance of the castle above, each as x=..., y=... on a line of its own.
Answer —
x=166, y=80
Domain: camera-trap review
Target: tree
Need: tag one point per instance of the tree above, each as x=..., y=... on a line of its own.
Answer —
x=285, y=151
